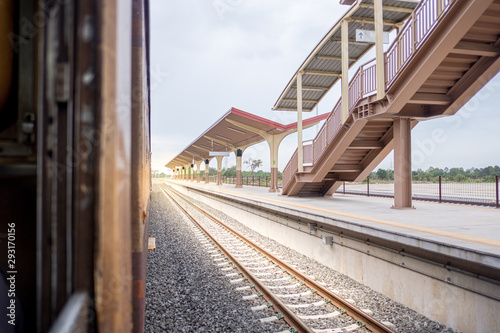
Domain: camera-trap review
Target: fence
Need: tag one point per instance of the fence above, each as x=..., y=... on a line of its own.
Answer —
x=249, y=181
x=484, y=192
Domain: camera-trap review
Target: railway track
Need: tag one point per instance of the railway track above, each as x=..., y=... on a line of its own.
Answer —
x=282, y=286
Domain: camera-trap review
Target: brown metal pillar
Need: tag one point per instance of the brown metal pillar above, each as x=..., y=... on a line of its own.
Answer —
x=192, y=172
x=239, y=156
x=207, y=173
x=139, y=201
x=402, y=164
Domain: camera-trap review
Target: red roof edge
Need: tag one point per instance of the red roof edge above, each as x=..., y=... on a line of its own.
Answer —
x=258, y=119
x=308, y=121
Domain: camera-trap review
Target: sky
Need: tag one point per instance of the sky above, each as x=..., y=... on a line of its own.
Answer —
x=210, y=55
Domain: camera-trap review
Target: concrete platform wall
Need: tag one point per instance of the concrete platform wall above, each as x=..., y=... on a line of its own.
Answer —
x=450, y=297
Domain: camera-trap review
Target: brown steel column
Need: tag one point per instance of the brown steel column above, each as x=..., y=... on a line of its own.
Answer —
x=139, y=201
x=192, y=172
x=239, y=156
x=207, y=171
x=219, y=169
x=402, y=163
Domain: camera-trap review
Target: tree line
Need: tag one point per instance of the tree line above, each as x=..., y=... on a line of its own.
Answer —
x=432, y=174
x=231, y=173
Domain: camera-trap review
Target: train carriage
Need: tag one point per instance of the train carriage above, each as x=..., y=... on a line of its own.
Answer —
x=74, y=164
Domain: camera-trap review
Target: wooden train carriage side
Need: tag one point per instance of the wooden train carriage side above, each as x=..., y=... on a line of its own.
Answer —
x=75, y=162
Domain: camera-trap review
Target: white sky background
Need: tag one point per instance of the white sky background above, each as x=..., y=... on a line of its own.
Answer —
x=210, y=55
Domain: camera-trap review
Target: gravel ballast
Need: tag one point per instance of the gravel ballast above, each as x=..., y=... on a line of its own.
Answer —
x=185, y=289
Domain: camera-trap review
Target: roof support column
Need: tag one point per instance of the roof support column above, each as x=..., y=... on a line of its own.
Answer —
x=198, y=165
x=345, y=70
x=273, y=140
x=402, y=164
x=274, y=143
x=192, y=172
x=239, y=157
x=207, y=171
x=182, y=173
x=219, y=169
x=379, y=48
x=300, y=150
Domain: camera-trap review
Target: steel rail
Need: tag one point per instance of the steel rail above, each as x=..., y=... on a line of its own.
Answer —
x=296, y=324
x=353, y=311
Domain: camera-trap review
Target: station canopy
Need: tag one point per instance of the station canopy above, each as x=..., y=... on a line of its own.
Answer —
x=225, y=136
x=322, y=68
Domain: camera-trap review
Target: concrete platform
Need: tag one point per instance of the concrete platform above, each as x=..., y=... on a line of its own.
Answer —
x=461, y=226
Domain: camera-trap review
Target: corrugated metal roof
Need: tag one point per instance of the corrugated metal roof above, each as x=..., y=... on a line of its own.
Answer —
x=226, y=136
x=325, y=57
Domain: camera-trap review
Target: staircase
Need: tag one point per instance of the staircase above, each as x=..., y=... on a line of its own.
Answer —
x=442, y=56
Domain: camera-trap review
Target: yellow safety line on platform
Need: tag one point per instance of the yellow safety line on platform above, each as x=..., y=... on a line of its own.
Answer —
x=448, y=234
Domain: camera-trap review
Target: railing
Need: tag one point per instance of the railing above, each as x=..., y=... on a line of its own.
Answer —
x=409, y=40
x=364, y=77
x=484, y=192
x=250, y=181
x=364, y=82
x=291, y=169
x=308, y=152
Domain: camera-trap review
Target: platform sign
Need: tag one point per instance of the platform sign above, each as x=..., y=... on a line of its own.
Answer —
x=219, y=153
x=368, y=36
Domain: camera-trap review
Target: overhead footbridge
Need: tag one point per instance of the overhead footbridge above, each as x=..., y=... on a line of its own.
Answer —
x=444, y=53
